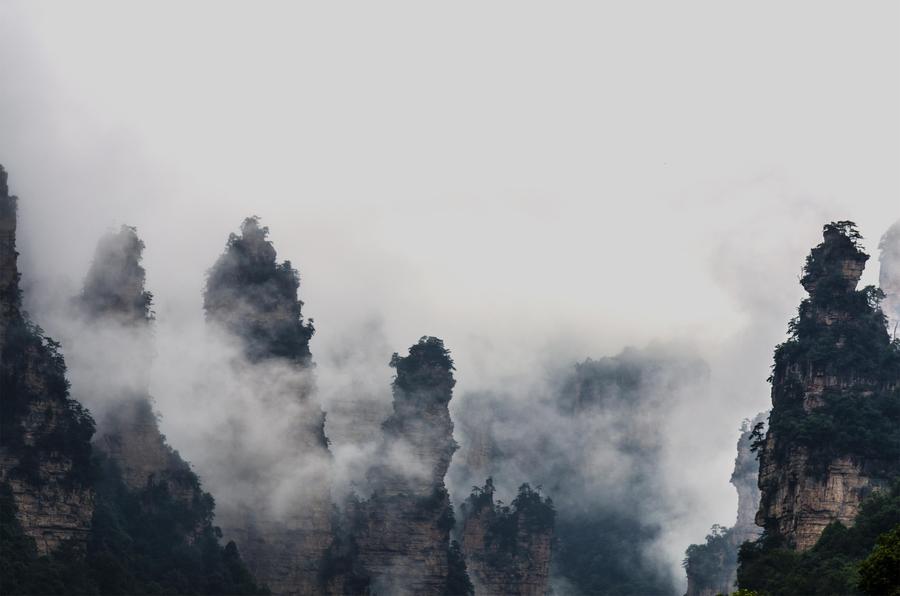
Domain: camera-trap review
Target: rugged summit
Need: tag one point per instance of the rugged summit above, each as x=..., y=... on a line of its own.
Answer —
x=253, y=298
x=115, y=303
x=712, y=567
x=75, y=519
x=44, y=435
x=834, y=429
x=401, y=534
x=507, y=548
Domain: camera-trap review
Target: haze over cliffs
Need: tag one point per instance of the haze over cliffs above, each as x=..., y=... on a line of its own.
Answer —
x=124, y=514
x=583, y=458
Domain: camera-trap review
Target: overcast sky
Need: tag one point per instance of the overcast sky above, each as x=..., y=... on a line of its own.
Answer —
x=525, y=180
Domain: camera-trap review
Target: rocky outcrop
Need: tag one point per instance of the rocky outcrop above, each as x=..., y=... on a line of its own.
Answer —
x=508, y=549
x=114, y=309
x=401, y=533
x=745, y=481
x=44, y=435
x=832, y=430
x=712, y=567
x=114, y=286
x=253, y=299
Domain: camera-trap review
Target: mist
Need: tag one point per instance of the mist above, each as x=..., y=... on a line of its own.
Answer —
x=534, y=187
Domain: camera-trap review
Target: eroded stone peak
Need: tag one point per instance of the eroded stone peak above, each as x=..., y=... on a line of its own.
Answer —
x=114, y=285
x=835, y=265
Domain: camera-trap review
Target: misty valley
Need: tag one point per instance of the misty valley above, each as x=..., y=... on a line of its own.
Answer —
x=282, y=472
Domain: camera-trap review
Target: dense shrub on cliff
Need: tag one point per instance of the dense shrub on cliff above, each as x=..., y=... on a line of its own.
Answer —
x=458, y=581
x=66, y=427
x=845, y=561
x=141, y=542
x=528, y=514
x=711, y=563
x=427, y=366
x=839, y=332
x=255, y=297
x=146, y=542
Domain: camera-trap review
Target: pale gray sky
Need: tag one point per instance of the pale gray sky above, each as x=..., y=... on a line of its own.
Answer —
x=526, y=180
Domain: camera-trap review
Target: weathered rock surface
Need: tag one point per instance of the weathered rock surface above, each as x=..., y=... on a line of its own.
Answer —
x=402, y=532
x=802, y=504
x=507, y=550
x=840, y=350
x=254, y=299
x=49, y=484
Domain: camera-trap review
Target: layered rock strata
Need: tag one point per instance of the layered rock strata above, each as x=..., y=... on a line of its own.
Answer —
x=44, y=435
x=831, y=438
x=402, y=532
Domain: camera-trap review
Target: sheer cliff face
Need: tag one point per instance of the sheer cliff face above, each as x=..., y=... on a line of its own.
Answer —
x=508, y=549
x=44, y=435
x=283, y=527
x=712, y=567
x=832, y=435
x=402, y=532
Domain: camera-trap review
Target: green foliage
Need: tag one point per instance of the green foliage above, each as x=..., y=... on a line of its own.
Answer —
x=846, y=423
x=528, y=515
x=248, y=292
x=427, y=366
x=34, y=372
x=458, y=582
x=880, y=571
x=708, y=564
x=141, y=542
x=835, y=565
x=842, y=242
x=603, y=554
x=839, y=332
